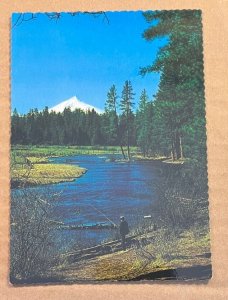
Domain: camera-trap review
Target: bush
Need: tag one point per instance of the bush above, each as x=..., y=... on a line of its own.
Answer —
x=32, y=243
x=182, y=196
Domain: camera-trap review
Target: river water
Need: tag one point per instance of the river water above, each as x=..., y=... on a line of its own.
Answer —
x=113, y=188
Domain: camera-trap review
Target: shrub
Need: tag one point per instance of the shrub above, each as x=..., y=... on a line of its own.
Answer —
x=32, y=243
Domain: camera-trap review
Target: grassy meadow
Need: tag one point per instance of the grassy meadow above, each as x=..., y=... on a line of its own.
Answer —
x=40, y=173
x=56, y=151
x=30, y=165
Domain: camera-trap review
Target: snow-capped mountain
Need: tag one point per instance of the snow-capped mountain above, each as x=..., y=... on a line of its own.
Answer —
x=73, y=103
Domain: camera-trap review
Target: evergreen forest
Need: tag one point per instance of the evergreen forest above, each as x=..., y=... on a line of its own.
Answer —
x=172, y=123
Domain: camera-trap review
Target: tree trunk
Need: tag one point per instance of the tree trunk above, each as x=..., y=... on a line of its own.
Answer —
x=122, y=150
x=181, y=148
x=128, y=151
x=118, y=134
x=173, y=156
x=177, y=145
x=171, y=153
x=128, y=147
x=144, y=152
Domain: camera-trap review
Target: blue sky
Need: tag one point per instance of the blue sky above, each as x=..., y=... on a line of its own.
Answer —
x=82, y=55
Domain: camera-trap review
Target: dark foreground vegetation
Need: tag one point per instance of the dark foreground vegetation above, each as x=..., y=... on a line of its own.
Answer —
x=171, y=125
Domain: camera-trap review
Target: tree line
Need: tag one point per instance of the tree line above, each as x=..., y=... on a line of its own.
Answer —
x=119, y=125
x=173, y=123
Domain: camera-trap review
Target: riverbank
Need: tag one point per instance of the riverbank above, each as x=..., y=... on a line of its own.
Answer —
x=140, y=157
x=30, y=169
x=44, y=173
x=58, y=151
x=170, y=247
x=31, y=165
x=156, y=255
x=163, y=159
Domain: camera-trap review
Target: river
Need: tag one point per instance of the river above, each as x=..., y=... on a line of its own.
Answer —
x=113, y=188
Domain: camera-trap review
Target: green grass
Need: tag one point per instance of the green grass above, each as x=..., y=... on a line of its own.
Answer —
x=55, y=151
x=30, y=164
x=41, y=173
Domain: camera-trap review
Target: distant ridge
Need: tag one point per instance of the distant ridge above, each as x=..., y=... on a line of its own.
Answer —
x=73, y=103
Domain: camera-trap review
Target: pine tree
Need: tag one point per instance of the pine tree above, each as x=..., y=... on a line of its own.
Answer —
x=112, y=128
x=180, y=98
x=111, y=116
x=144, y=118
x=126, y=106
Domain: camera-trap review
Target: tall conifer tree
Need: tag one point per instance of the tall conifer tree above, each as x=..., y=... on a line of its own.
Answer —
x=180, y=98
x=126, y=106
x=144, y=119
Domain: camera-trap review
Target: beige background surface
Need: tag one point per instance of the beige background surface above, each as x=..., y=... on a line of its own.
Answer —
x=215, y=29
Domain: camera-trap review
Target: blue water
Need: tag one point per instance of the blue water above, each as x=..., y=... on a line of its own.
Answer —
x=114, y=188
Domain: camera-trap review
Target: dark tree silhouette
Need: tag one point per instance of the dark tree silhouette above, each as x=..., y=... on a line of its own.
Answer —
x=25, y=17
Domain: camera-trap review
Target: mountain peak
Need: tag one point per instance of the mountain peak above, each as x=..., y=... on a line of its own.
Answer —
x=74, y=103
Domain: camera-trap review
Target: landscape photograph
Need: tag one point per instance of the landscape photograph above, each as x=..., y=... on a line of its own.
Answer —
x=108, y=148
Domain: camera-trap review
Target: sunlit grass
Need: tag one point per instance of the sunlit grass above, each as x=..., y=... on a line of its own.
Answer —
x=47, y=173
x=30, y=164
x=152, y=158
x=167, y=251
x=54, y=151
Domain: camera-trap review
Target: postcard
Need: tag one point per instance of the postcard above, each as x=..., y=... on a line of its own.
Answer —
x=108, y=147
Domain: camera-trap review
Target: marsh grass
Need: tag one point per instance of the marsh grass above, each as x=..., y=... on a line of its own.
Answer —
x=30, y=165
x=47, y=174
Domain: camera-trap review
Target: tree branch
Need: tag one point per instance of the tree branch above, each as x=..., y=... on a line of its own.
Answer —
x=57, y=15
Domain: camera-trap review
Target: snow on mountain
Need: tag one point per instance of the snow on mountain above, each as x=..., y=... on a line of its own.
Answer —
x=73, y=103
